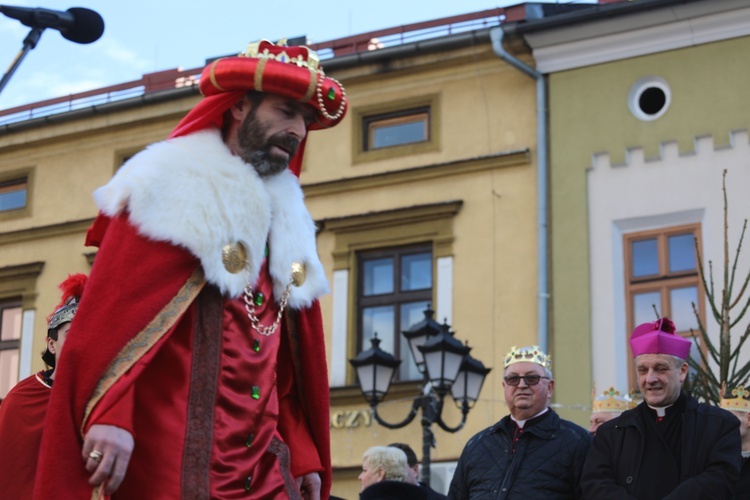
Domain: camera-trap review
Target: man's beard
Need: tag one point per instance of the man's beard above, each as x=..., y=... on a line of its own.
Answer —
x=255, y=148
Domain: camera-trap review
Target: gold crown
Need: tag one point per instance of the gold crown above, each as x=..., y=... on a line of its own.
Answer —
x=302, y=56
x=611, y=401
x=532, y=354
x=738, y=399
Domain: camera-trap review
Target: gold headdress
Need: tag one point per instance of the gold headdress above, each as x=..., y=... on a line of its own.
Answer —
x=737, y=399
x=611, y=401
x=532, y=354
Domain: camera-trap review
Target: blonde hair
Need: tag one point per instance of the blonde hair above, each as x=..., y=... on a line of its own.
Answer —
x=390, y=459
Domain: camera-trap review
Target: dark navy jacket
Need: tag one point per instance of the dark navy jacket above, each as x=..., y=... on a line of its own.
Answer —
x=547, y=463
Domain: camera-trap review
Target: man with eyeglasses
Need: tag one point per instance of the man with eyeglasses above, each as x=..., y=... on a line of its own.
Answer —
x=531, y=453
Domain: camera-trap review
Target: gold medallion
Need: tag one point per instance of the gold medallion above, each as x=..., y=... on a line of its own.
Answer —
x=299, y=273
x=234, y=257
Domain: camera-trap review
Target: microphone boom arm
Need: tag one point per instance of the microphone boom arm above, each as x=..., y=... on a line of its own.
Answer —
x=28, y=43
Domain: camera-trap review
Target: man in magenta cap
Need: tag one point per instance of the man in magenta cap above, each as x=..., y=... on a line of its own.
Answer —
x=669, y=446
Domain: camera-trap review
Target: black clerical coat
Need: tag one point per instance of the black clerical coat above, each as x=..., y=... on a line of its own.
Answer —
x=743, y=487
x=709, y=457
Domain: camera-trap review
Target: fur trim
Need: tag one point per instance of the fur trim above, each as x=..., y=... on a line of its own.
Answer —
x=192, y=192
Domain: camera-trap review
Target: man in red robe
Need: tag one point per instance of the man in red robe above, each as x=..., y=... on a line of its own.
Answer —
x=197, y=365
x=22, y=411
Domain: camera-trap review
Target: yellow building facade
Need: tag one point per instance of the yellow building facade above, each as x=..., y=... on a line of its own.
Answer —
x=461, y=197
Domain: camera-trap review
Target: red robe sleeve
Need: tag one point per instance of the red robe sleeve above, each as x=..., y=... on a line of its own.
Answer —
x=293, y=425
x=312, y=385
x=117, y=411
x=121, y=298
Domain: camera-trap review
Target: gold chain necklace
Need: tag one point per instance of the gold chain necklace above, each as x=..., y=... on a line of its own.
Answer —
x=234, y=257
x=255, y=321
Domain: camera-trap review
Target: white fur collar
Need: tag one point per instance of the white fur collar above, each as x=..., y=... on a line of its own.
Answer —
x=191, y=191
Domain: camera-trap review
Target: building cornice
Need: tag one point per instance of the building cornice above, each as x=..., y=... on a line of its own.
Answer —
x=674, y=27
x=419, y=174
x=43, y=232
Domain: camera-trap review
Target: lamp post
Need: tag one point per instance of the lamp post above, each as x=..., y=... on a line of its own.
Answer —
x=446, y=367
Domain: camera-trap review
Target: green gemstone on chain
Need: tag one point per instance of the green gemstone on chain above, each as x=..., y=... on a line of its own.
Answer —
x=265, y=251
x=258, y=299
x=247, y=483
x=255, y=394
x=249, y=440
x=256, y=345
x=331, y=93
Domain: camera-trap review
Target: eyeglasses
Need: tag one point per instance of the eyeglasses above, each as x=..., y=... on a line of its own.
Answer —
x=514, y=380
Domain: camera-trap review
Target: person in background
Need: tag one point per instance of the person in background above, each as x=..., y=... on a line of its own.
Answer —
x=531, y=453
x=669, y=446
x=412, y=471
x=23, y=410
x=608, y=405
x=380, y=463
x=737, y=402
x=384, y=475
x=208, y=378
x=393, y=490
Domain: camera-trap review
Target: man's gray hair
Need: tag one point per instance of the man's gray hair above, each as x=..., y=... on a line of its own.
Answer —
x=676, y=360
x=390, y=459
x=547, y=372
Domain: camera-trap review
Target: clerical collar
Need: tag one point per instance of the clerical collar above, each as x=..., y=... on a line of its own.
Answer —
x=520, y=423
x=660, y=411
x=666, y=411
x=746, y=454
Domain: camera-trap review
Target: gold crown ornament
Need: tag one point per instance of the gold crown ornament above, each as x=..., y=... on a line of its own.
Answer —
x=293, y=72
x=737, y=399
x=531, y=354
x=611, y=401
x=304, y=57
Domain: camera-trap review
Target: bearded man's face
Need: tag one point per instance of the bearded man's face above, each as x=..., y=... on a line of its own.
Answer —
x=271, y=132
x=261, y=150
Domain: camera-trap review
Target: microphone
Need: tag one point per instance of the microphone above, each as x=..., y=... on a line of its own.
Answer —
x=76, y=24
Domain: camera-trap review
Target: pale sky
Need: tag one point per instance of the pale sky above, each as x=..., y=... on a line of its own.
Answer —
x=145, y=36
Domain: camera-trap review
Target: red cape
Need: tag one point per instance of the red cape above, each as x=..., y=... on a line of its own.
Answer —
x=21, y=423
x=134, y=283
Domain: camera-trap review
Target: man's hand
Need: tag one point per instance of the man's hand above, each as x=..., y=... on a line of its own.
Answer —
x=309, y=486
x=106, y=452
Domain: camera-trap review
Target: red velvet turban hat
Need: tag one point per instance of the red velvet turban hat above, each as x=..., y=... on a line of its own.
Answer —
x=292, y=72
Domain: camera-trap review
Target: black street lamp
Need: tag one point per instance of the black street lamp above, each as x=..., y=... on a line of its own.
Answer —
x=375, y=369
x=446, y=367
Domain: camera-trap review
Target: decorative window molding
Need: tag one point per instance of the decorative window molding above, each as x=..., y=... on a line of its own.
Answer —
x=396, y=129
x=122, y=156
x=398, y=227
x=11, y=316
x=18, y=289
x=13, y=181
x=422, y=224
x=370, y=120
x=20, y=281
